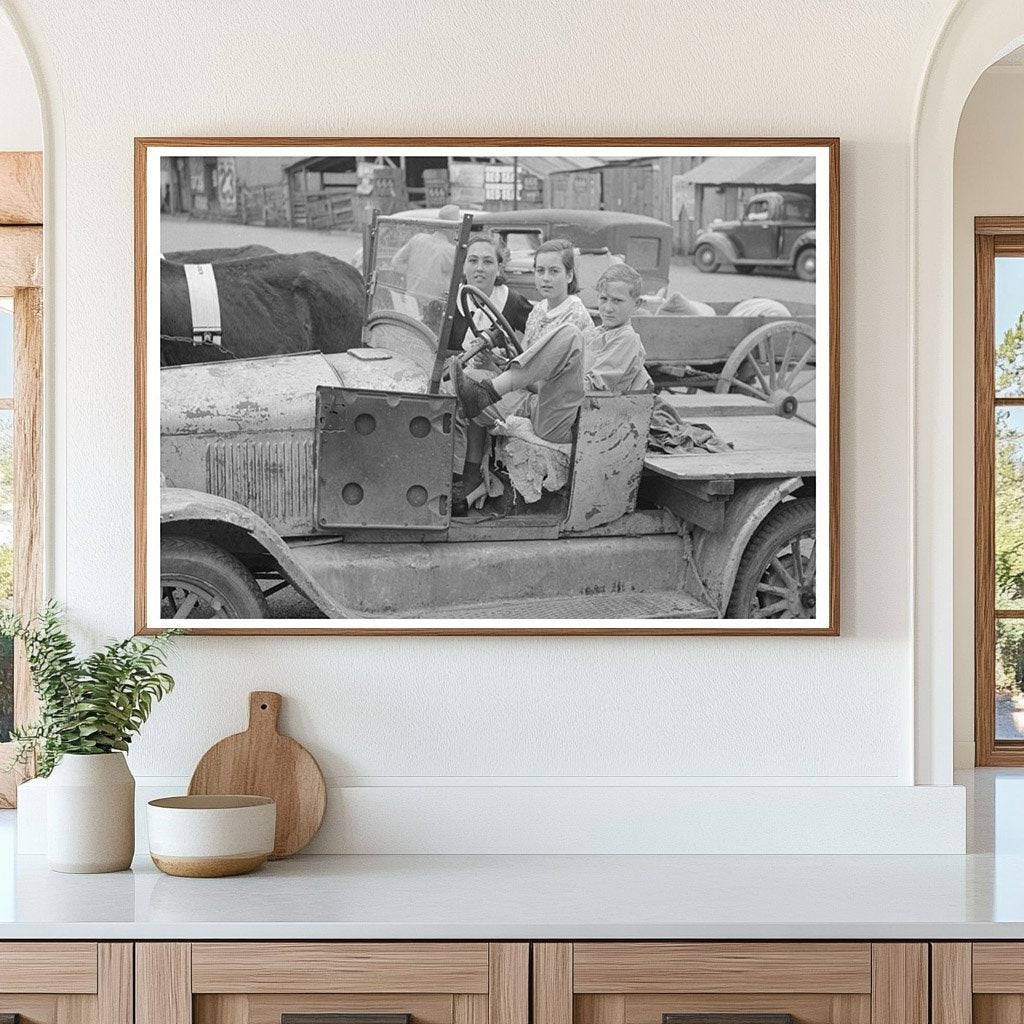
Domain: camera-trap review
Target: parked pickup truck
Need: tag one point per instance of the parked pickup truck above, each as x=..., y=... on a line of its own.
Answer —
x=776, y=230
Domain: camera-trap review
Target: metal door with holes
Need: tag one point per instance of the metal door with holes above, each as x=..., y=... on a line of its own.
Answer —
x=383, y=460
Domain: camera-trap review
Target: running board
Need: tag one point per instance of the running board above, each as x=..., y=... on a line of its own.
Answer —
x=658, y=604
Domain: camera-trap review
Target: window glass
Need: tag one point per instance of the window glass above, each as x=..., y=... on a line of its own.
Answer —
x=6, y=349
x=643, y=253
x=1009, y=327
x=1009, y=514
x=521, y=247
x=757, y=211
x=6, y=520
x=1009, y=679
x=797, y=209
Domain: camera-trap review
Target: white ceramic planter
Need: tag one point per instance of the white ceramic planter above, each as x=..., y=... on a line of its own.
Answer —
x=90, y=814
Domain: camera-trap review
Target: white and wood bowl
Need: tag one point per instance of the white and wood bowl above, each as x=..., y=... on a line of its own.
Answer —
x=211, y=836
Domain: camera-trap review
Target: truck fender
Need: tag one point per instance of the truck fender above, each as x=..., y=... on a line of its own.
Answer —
x=181, y=505
x=722, y=244
x=802, y=242
x=716, y=556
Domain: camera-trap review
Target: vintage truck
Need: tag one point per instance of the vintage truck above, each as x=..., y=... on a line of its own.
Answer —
x=777, y=229
x=332, y=474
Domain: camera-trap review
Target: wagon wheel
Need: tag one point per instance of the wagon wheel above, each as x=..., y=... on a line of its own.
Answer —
x=776, y=575
x=774, y=363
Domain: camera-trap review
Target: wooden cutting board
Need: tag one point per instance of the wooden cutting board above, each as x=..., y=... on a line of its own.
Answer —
x=262, y=762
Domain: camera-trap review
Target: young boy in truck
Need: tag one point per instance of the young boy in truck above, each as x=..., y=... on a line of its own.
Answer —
x=613, y=355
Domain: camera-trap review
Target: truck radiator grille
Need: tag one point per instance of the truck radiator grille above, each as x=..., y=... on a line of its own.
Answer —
x=273, y=478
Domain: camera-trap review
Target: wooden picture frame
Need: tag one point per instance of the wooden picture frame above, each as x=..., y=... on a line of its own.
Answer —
x=149, y=195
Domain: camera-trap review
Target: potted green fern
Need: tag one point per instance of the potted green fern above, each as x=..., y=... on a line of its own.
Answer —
x=89, y=710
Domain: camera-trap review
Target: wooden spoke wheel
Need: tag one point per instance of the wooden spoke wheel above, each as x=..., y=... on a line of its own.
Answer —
x=776, y=577
x=198, y=580
x=775, y=363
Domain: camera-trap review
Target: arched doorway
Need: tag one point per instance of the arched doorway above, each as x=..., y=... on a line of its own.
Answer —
x=975, y=35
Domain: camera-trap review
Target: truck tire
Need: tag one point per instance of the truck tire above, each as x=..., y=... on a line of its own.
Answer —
x=705, y=259
x=770, y=580
x=199, y=580
x=805, y=266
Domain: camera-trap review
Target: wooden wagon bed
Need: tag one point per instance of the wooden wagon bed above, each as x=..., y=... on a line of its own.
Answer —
x=695, y=485
x=765, y=446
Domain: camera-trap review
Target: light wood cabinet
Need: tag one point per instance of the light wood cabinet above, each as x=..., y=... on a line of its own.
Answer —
x=652, y=982
x=260, y=982
x=66, y=982
x=511, y=982
x=979, y=982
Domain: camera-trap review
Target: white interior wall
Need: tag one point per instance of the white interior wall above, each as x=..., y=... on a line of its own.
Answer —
x=438, y=716
x=988, y=181
x=21, y=123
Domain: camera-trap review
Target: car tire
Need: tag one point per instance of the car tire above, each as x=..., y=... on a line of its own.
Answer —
x=201, y=580
x=781, y=527
x=705, y=259
x=805, y=265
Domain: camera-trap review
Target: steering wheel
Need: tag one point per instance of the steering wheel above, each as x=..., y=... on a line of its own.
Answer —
x=472, y=299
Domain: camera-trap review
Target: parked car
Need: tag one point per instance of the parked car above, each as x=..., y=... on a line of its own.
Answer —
x=643, y=242
x=333, y=474
x=776, y=230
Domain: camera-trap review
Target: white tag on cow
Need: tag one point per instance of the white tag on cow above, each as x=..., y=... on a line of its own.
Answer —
x=205, y=303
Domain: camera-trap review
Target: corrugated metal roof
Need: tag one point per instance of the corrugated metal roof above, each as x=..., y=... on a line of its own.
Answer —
x=753, y=170
x=545, y=165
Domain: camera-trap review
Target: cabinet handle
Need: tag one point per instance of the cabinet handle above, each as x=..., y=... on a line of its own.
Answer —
x=728, y=1018
x=337, y=1018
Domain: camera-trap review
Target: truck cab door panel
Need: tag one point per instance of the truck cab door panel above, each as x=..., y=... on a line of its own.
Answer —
x=383, y=460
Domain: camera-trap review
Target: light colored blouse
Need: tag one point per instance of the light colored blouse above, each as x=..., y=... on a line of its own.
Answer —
x=542, y=320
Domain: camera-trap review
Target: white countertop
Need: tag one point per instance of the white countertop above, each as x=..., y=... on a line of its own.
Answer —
x=978, y=896
x=532, y=897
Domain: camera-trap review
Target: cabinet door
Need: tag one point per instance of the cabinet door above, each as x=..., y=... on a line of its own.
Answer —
x=737, y=982
x=980, y=982
x=66, y=982
x=332, y=983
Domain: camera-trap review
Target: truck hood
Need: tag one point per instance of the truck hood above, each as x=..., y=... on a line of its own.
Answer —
x=274, y=392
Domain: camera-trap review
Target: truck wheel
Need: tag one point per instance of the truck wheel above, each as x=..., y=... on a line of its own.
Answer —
x=806, y=264
x=776, y=574
x=705, y=259
x=199, y=580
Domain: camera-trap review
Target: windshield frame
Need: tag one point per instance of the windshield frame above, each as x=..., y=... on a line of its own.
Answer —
x=450, y=309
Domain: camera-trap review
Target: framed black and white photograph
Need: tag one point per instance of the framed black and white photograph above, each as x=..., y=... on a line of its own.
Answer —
x=488, y=386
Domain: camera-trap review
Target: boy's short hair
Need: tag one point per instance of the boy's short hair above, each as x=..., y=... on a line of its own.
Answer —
x=627, y=275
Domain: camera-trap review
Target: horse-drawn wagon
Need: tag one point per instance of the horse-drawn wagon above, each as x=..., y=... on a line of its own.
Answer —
x=769, y=357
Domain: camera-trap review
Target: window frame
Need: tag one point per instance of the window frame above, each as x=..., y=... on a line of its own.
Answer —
x=21, y=260
x=993, y=237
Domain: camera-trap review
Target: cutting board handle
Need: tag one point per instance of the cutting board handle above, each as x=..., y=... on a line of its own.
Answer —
x=264, y=710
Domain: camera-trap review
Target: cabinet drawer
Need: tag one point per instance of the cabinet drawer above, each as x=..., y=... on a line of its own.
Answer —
x=340, y=967
x=48, y=967
x=736, y=982
x=261, y=982
x=635, y=967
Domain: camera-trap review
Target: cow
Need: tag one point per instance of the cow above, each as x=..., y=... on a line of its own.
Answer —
x=270, y=304
x=240, y=252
